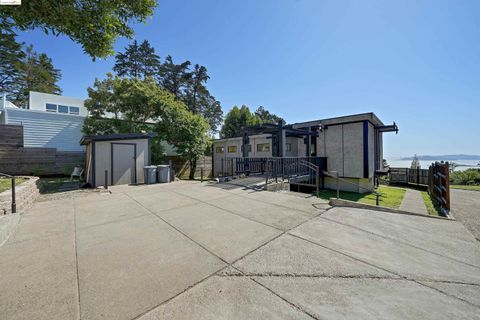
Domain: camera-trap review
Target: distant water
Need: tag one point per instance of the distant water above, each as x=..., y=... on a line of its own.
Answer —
x=426, y=163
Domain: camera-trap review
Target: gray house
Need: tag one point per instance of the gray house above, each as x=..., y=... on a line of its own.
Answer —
x=352, y=146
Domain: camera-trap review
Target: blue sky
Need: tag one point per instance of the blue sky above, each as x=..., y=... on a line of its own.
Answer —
x=413, y=62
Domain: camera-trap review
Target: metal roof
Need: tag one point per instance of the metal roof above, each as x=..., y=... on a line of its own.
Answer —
x=116, y=136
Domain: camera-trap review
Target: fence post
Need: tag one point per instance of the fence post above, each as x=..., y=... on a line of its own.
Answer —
x=223, y=171
x=317, y=182
x=266, y=180
x=106, y=180
x=14, y=202
x=201, y=175
x=376, y=200
x=338, y=186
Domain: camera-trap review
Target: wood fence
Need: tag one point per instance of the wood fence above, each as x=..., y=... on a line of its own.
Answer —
x=182, y=168
x=439, y=185
x=407, y=175
x=15, y=159
x=39, y=161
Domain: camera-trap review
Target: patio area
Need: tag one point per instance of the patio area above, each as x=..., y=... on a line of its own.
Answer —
x=191, y=250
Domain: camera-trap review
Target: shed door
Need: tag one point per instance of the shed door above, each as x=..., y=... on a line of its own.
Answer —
x=123, y=163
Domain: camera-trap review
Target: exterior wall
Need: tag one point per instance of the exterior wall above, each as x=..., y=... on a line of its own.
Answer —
x=237, y=142
x=353, y=150
x=103, y=159
x=38, y=100
x=48, y=130
x=357, y=185
x=371, y=150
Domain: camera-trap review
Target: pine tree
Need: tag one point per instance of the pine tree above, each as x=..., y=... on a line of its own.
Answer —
x=138, y=61
x=199, y=100
x=11, y=56
x=174, y=77
x=37, y=73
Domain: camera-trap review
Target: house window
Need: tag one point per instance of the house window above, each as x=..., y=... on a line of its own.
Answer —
x=51, y=107
x=62, y=109
x=219, y=150
x=263, y=147
x=232, y=149
x=74, y=110
x=249, y=147
x=288, y=147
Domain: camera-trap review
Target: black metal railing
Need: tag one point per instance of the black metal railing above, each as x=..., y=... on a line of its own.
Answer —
x=300, y=170
x=14, y=203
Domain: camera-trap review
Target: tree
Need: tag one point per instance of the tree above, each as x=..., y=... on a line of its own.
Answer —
x=236, y=120
x=35, y=73
x=123, y=105
x=199, y=100
x=93, y=24
x=173, y=77
x=266, y=117
x=138, y=61
x=190, y=137
x=11, y=57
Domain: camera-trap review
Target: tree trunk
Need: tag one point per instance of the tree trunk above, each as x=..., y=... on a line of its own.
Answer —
x=193, y=168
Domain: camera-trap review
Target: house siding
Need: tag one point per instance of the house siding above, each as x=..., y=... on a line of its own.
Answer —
x=48, y=130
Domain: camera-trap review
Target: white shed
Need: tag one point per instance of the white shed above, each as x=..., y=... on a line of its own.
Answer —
x=119, y=158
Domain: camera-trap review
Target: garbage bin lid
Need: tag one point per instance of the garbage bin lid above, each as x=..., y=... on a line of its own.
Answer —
x=149, y=167
x=163, y=166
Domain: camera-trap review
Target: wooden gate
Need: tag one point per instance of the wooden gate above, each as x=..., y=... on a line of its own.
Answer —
x=439, y=185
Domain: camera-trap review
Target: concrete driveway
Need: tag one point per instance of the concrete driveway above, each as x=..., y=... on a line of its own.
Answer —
x=204, y=251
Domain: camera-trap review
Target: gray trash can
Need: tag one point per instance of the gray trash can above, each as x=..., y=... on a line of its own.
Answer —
x=163, y=173
x=150, y=174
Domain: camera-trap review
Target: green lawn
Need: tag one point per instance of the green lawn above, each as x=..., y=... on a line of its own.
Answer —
x=465, y=187
x=5, y=183
x=431, y=208
x=389, y=196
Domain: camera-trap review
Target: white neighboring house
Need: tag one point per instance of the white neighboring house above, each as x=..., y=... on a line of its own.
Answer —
x=49, y=120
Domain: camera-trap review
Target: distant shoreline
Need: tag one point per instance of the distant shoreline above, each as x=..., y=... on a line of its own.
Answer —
x=452, y=157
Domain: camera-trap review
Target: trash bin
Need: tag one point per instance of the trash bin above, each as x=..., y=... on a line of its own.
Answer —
x=150, y=173
x=163, y=173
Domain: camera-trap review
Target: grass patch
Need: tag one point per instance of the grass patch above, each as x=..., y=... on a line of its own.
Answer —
x=465, y=187
x=431, y=207
x=6, y=183
x=53, y=184
x=389, y=197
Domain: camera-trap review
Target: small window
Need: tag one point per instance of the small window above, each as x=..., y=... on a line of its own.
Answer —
x=288, y=147
x=263, y=147
x=74, y=110
x=219, y=150
x=249, y=148
x=232, y=149
x=51, y=107
x=62, y=109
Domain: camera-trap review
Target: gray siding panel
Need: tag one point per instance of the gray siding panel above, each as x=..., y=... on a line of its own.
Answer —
x=49, y=130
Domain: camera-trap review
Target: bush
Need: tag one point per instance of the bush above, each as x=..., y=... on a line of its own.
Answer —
x=466, y=177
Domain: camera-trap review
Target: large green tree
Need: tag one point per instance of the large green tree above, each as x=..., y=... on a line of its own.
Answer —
x=199, y=100
x=35, y=73
x=174, y=77
x=236, y=120
x=266, y=116
x=11, y=58
x=93, y=24
x=138, y=61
